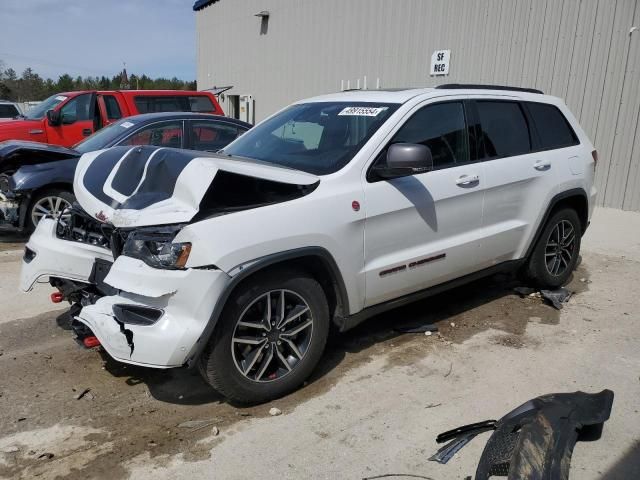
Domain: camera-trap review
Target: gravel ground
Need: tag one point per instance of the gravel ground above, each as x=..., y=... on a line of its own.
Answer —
x=374, y=407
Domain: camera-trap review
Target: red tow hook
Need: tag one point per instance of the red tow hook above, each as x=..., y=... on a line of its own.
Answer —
x=91, y=342
x=57, y=297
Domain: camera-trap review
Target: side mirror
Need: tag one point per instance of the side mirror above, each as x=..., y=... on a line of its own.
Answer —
x=405, y=159
x=53, y=117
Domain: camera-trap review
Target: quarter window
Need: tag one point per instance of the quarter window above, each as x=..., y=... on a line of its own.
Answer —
x=504, y=129
x=442, y=128
x=552, y=127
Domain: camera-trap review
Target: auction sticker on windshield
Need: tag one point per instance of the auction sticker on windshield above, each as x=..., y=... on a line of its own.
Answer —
x=61, y=98
x=362, y=111
x=126, y=124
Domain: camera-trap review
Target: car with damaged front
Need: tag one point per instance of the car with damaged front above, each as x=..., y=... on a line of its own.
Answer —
x=330, y=211
x=37, y=178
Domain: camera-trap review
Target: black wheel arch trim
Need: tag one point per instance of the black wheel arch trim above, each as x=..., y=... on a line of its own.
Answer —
x=574, y=192
x=258, y=265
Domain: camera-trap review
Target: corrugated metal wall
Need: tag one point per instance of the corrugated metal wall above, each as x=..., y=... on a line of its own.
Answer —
x=580, y=50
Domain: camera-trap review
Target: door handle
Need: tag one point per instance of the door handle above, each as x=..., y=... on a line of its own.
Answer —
x=467, y=180
x=86, y=132
x=542, y=165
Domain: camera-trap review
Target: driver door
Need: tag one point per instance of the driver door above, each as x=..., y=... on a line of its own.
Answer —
x=77, y=121
x=425, y=229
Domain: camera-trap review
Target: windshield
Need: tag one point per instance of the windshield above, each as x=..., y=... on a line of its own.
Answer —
x=105, y=137
x=39, y=111
x=318, y=138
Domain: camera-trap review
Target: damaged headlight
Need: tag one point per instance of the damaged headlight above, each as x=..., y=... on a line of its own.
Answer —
x=156, y=248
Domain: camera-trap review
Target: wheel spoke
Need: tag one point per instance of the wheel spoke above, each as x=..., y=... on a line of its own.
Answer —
x=265, y=363
x=297, y=329
x=294, y=348
x=297, y=311
x=56, y=208
x=280, y=306
x=248, y=340
x=256, y=325
x=253, y=358
x=42, y=209
x=282, y=359
x=267, y=312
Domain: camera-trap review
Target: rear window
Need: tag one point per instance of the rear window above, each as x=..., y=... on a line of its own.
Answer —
x=552, y=127
x=8, y=111
x=504, y=129
x=167, y=103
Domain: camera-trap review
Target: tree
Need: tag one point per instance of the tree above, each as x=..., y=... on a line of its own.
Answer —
x=65, y=83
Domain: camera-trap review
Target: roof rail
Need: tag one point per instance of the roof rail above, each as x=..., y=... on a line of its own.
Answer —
x=472, y=86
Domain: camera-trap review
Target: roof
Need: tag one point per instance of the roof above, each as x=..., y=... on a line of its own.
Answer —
x=200, y=4
x=150, y=117
x=403, y=95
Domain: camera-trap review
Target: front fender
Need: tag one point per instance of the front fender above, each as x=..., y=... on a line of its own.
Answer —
x=35, y=177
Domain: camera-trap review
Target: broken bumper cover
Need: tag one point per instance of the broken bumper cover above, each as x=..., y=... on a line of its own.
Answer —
x=47, y=256
x=158, y=316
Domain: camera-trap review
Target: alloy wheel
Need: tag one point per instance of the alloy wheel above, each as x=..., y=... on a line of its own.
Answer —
x=560, y=248
x=272, y=335
x=52, y=207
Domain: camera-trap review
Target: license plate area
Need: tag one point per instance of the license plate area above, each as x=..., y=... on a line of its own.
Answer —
x=99, y=272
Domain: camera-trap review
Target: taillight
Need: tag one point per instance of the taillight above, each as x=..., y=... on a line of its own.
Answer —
x=594, y=154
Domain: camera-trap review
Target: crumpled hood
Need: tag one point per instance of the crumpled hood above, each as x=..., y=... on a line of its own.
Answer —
x=22, y=152
x=143, y=186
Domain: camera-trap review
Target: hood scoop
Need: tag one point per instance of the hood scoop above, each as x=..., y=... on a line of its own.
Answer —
x=143, y=186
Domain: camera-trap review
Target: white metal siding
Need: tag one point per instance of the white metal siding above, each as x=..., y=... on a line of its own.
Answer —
x=580, y=50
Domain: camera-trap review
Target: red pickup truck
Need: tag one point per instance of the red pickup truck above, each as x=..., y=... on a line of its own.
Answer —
x=66, y=118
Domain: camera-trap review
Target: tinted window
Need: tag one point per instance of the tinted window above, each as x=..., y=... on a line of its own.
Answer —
x=165, y=134
x=552, y=127
x=201, y=104
x=317, y=137
x=8, y=111
x=166, y=103
x=113, y=109
x=76, y=109
x=504, y=129
x=441, y=127
x=212, y=136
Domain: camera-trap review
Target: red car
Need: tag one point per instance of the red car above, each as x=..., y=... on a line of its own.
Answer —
x=66, y=118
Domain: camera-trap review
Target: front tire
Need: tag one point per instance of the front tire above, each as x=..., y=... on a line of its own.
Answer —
x=49, y=203
x=556, y=253
x=269, y=337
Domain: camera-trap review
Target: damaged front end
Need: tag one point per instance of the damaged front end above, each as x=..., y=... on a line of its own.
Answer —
x=139, y=289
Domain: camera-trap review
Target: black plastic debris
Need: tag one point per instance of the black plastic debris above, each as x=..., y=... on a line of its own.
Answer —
x=416, y=328
x=524, y=291
x=535, y=441
x=556, y=297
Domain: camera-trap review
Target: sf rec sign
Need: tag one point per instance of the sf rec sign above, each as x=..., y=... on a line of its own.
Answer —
x=440, y=62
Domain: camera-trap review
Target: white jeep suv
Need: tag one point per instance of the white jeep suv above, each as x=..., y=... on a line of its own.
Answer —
x=330, y=211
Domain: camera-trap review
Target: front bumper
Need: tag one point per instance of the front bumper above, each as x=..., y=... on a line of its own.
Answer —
x=50, y=256
x=185, y=297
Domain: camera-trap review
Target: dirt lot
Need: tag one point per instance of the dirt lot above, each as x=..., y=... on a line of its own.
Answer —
x=374, y=407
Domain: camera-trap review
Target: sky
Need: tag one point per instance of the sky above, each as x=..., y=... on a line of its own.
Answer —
x=93, y=37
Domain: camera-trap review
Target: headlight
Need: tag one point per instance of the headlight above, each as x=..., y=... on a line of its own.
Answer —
x=157, y=249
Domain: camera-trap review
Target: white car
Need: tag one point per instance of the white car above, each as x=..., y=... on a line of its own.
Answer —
x=9, y=110
x=332, y=210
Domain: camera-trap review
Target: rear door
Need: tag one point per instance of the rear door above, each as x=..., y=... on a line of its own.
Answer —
x=77, y=116
x=211, y=135
x=520, y=177
x=425, y=229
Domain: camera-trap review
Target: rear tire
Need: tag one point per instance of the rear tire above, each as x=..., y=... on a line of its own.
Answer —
x=252, y=360
x=557, y=250
x=53, y=201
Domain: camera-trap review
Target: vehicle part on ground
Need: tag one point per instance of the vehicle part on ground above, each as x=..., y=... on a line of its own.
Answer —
x=50, y=204
x=555, y=255
x=535, y=440
x=556, y=297
x=269, y=339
